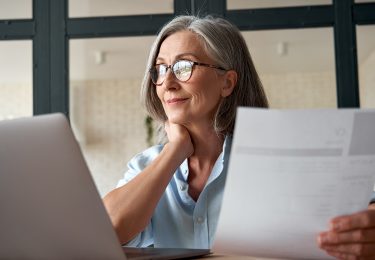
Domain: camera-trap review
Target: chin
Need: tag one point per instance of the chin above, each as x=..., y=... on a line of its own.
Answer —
x=176, y=121
x=180, y=120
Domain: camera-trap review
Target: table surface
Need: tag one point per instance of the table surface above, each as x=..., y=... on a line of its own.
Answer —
x=230, y=257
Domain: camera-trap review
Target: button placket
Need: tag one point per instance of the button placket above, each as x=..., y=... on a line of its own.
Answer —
x=200, y=220
x=183, y=187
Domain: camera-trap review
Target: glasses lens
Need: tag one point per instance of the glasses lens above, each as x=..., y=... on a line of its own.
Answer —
x=182, y=70
x=153, y=75
x=157, y=73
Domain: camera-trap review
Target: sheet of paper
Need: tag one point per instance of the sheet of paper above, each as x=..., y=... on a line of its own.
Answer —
x=290, y=172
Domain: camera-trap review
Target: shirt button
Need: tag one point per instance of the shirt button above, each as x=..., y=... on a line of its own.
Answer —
x=185, y=172
x=182, y=187
x=199, y=220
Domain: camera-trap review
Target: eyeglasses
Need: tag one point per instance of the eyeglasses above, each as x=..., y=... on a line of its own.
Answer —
x=181, y=69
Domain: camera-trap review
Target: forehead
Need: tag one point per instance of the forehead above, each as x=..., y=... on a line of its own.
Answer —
x=180, y=43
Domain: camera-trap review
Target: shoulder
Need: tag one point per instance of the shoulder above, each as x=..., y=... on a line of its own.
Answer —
x=142, y=159
x=139, y=162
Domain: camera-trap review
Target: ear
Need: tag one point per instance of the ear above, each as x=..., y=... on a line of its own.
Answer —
x=229, y=84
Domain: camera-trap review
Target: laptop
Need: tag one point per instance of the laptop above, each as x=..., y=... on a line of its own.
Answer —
x=50, y=207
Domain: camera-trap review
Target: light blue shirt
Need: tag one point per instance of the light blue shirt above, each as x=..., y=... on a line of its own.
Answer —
x=179, y=221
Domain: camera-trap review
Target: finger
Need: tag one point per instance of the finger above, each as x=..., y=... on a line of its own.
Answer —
x=342, y=256
x=334, y=254
x=359, y=249
x=355, y=236
x=364, y=219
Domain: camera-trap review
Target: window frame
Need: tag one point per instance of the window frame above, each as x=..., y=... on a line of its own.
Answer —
x=50, y=29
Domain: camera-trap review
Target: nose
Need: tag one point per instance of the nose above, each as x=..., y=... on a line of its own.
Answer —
x=170, y=81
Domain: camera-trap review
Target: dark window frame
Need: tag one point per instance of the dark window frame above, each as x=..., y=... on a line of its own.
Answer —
x=51, y=29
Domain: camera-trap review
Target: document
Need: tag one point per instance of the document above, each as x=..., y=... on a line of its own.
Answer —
x=290, y=172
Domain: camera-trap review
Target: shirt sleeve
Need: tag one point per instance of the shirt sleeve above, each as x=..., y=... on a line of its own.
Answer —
x=135, y=166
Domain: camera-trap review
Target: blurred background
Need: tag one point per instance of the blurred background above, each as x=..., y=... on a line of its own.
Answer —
x=297, y=67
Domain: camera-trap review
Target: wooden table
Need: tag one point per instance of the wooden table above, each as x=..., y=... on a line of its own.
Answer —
x=233, y=257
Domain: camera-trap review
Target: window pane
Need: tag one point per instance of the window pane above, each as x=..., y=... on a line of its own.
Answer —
x=15, y=9
x=87, y=8
x=246, y=4
x=16, y=98
x=107, y=117
x=296, y=67
x=366, y=65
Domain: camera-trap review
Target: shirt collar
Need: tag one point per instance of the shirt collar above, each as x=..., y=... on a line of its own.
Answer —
x=221, y=162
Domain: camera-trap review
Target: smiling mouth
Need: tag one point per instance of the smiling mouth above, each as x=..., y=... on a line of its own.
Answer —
x=176, y=100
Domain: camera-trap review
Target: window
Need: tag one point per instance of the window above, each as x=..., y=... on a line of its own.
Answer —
x=89, y=8
x=296, y=67
x=105, y=110
x=245, y=4
x=366, y=65
x=16, y=95
x=290, y=74
x=19, y=9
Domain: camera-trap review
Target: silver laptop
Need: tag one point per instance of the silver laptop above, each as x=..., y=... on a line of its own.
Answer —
x=49, y=204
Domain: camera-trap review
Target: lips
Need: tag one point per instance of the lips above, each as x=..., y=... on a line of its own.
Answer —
x=175, y=100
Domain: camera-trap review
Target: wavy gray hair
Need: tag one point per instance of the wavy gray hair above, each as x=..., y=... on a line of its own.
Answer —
x=225, y=45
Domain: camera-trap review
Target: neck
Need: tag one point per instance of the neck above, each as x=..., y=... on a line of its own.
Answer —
x=207, y=144
x=207, y=148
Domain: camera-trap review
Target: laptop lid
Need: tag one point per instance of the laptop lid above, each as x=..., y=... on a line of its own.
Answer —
x=50, y=207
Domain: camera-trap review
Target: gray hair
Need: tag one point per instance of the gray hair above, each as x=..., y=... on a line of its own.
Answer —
x=225, y=45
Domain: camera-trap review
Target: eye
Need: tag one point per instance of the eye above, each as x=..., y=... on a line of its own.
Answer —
x=182, y=69
x=161, y=69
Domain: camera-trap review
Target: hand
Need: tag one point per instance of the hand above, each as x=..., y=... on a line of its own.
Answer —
x=351, y=236
x=178, y=135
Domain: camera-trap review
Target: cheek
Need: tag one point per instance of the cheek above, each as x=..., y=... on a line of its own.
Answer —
x=207, y=92
x=208, y=84
x=159, y=93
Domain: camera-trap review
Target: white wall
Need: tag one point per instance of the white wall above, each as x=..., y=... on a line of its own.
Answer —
x=108, y=120
x=367, y=81
x=15, y=100
x=300, y=90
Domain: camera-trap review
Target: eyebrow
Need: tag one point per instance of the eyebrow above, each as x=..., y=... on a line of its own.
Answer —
x=179, y=56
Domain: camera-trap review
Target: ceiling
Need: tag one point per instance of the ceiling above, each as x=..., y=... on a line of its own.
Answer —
x=273, y=51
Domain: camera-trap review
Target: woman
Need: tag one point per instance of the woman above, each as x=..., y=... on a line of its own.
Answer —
x=199, y=71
